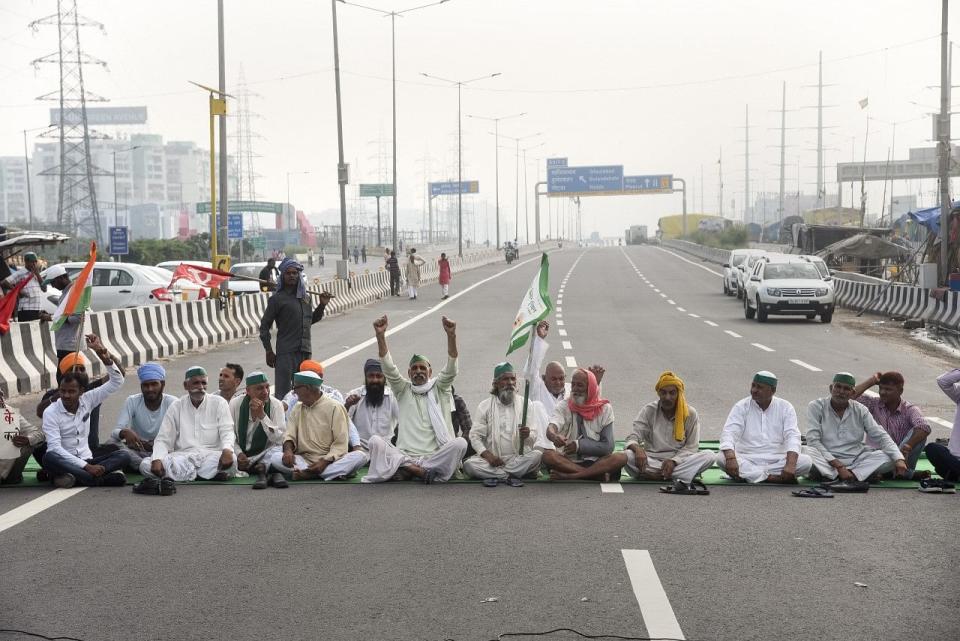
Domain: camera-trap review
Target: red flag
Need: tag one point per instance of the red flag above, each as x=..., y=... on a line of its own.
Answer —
x=9, y=303
x=203, y=276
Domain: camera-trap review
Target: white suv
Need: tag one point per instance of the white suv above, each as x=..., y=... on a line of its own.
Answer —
x=731, y=283
x=789, y=285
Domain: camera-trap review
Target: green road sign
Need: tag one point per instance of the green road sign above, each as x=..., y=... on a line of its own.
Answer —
x=376, y=190
x=237, y=206
x=258, y=242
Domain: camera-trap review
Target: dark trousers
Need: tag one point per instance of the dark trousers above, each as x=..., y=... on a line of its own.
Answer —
x=56, y=464
x=946, y=464
x=28, y=315
x=286, y=366
x=394, y=284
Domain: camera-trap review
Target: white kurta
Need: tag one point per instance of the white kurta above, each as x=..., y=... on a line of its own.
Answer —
x=192, y=439
x=495, y=428
x=274, y=425
x=761, y=439
x=531, y=372
x=567, y=426
x=374, y=420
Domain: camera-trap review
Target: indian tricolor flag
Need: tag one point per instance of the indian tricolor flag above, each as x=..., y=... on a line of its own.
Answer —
x=77, y=299
x=534, y=307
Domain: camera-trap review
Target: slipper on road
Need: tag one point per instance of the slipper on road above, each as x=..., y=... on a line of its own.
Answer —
x=679, y=487
x=937, y=486
x=489, y=482
x=813, y=493
x=850, y=487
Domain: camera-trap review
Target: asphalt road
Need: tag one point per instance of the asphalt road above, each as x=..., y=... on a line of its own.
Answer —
x=412, y=562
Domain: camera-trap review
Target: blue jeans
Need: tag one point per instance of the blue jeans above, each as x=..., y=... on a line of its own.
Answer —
x=946, y=464
x=57, y=464
x=914, y=456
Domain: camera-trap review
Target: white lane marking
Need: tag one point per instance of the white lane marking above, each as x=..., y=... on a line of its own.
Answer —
x=805, y=365
x=559, y=323
x=559, y=315
x=330, y=360
x=671, y=302
x=559, y=308
x=692, y=315
x=567, y=345
x=763, y=347
x=611, y=488
x=734, y=334
x=870, y=392
x=36, y=506
x=562, y=332
x=939, y=421
x=706, y=269
x=680, y=309
x=656, y=290
x=711, y=323
x=663, y=295
x=658, y=616
x=571, y=361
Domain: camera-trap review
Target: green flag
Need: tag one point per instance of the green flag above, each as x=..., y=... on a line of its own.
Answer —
x=534, y=307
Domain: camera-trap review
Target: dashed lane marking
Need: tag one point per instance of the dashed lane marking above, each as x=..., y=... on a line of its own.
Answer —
x=939, y=421
x=663, y=295
x=559, y=315
x=732, y=333
x=680, y=309
x=763, y=347
x=611, y=488
x=559, y=323
x=692, y=315
x=656, y=290
x=559, y=308
x=658, y=616
x=671, y=302
x=808, y=366
x=567, y=345
x=571, y=361
x=562, y=332
x=711, y=323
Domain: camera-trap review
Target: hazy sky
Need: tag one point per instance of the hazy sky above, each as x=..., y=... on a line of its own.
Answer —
x=659, y=87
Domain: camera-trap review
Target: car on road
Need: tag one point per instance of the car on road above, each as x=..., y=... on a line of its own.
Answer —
x=787, y=285
x=119, y=285
x=745, y=268
x=731, y=268
x=250, y=270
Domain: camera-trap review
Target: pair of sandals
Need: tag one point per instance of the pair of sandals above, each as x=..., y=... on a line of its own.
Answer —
x=827, y=490
x=512, y=481
x=694, y=487
x=163, y=487
x=937, y=486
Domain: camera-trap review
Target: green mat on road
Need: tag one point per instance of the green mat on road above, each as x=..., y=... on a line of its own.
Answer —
x=712, y=476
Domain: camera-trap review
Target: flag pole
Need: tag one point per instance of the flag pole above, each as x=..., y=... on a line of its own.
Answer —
x=83, y=315
x=526, y=382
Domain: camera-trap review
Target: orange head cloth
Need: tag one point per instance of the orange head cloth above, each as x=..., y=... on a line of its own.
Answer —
x=312, y=366
x=71, y=360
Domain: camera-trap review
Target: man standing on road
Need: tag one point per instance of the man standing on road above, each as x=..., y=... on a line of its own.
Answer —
x=289, y=307
x=195, y=440
x=65, y=338
x=665, y=442
x=363, y=253
x=946, y=458
x=372, y=407
x=444, y=278
x=268, y=276
x=141, y=415
x=835, y=433
x=580, y=434
x=231, y=375
x=29, y=305
x=393, y=267
x=497, y=434
x=356, y=255
x=260, y=423
x=760, y=441
x=66, y=427
x=426, y=445
x=550, y=388
x=27, y=437
x=413, y=273
x=316, y=444
x=901, y=420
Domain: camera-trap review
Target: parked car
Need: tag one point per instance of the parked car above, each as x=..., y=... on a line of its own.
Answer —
x=788, y=285
x=118, y=285
x=745, y=268
x=183, y=288
x=250, y=270
x=731, y=268
x=820, y=264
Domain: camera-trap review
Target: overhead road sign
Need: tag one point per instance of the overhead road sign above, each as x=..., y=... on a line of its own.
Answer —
x=450, y=188
x=655, y=184
x=102, y=116
x=556, y=162
x=591, y=180
x=234, y=226
x=119, y=241
x=379, y=190
x=244, y=205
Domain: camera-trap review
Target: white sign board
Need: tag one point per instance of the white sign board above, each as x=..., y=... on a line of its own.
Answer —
x=9, y=427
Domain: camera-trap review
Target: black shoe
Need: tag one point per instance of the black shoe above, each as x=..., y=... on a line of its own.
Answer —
x=261, y=482
x=113, y=479
x=63, y=481
x=147, y=486
x=43, y=476
x=848, y=486
x=278, y=481
x=167, y=487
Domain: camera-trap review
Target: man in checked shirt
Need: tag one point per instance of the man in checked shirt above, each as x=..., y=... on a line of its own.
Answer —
x=903, y=421
x=29, y=306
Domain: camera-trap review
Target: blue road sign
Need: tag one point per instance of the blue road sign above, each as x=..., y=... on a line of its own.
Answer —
x=450, y=188
x=556, y=162
x=585, y=180
x=119, y=245
x=659, y=184
x=234, y=226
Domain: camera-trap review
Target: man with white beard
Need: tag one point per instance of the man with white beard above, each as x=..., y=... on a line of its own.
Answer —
x=497, y=433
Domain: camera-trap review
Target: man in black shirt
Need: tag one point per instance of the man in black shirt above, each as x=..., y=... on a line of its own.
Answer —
x=269, y=274
x=393, y=266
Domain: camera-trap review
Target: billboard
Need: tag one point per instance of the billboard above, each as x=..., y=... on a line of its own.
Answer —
x=102, y=116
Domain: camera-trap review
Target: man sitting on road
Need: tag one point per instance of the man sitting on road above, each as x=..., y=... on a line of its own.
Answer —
x=497, y=433
x=760, y=441
x=426, y=446
x=260, y=423
x=231, y=376
x=665, y=442
x=901, y=420
x=141, y=415
x=580, y=434
x=27, y=437
x=290, y=400
x=836, y=428
x=550, y=388
x=316, y=443
x=946, y=458
x=66, y=426
x=372, y=407
x=195, y=440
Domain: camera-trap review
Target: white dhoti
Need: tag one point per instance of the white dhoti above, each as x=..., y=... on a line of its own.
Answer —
x=385, y=460
x=516, y=466
x=344, y=466
x=189, y=465
x=755, y=468
x=264, y=457
x=684, y=471
x=868, y=462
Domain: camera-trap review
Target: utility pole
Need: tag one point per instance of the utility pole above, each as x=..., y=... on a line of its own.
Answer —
x=746, y=169
x=26, y=162
x=820, y=188
x=783, y=150
x=224, y=192
x=943, y=144
x=342, y=176
x=720, y=187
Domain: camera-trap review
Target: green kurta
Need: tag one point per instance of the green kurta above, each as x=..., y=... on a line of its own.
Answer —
x=415, y=431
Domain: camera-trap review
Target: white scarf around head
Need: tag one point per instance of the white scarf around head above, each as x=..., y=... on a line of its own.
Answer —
x=434, y=410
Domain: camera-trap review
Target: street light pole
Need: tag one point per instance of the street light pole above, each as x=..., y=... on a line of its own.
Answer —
x=496, y=161
x=341, y=166
x=26, y=162
x=224, y=191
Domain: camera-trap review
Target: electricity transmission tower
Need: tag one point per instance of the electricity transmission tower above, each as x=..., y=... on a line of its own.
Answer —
x=245, y=137
x=77, y=199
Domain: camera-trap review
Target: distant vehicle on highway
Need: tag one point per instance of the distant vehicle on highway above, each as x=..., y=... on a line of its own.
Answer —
x=788, y=285
x=731, y=268
x=250, y=270
x=119, y=285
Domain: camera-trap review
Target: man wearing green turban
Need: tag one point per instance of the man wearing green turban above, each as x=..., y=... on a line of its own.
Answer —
x=259, y=423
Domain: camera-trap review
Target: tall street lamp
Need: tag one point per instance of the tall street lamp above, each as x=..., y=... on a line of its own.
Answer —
x=496, y=159
x=526, y=196
x=516, y=212
x=393, y=57
x=116, y=207
x=343, y=269
x=459, y=84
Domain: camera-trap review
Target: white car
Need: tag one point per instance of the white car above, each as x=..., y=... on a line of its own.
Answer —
x=745, y=268
x=731, y=268
x=119, y=285
x=788, y=285
x=250, y=270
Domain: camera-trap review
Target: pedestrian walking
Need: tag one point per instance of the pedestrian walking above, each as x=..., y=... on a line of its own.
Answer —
x=356, y=255
x=413, y=273
x=444, y=278
x=393, y=267
x=363, y=253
